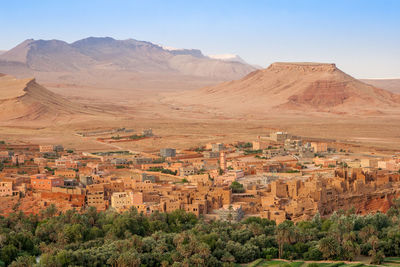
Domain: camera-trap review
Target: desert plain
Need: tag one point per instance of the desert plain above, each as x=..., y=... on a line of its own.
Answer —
x=52, y=90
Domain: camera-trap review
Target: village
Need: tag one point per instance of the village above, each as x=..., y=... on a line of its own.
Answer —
x=276, y=176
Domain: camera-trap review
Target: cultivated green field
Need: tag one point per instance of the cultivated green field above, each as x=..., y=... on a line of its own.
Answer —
x=392, y=261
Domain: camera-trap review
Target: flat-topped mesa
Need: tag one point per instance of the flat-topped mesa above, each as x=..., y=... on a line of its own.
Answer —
x=296, y=87
x=302, y=66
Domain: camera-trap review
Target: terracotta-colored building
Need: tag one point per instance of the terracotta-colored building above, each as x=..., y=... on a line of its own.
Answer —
x=319, y=147
x=6, y=188
x=43, y=182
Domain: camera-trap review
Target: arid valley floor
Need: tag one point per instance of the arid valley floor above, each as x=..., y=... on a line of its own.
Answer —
x=189, y=125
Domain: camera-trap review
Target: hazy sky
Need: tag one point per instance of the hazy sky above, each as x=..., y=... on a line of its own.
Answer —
x=362, y=37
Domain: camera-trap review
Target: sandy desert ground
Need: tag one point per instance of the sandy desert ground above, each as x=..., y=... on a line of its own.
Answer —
x=184, y=127
x=179, y=119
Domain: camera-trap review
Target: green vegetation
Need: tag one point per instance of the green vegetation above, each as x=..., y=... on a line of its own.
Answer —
x=278, y=263
x=237, y=187
x=300, y=165
x=121, y=166
x=136, y=136
x=91, y=238
x=133, y=137
x=342, y=164
x=251, y=151
x=392, y=261
x=70, y=151
x=2, y=142
x=244, y=145
x=198, y=149
x=201, y=171
x=50, y=170
x=50, y=156
x=159, y=160
x=292, y=171
x=162, y=170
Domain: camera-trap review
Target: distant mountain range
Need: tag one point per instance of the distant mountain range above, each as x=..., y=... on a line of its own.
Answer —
x=90, y=59
x=221, y=82
x=392, y=85
x=228, y=57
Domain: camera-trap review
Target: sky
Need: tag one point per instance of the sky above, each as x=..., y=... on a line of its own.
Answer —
x=361, y=36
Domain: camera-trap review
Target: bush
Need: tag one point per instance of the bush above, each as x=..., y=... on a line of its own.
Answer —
x=271, y=252
x=313, y=254
x=162, y=170
x=8, y=254
x=135, y=136
x=237, y=187
x=23, y=261
x=378, y=257
x=250, y=151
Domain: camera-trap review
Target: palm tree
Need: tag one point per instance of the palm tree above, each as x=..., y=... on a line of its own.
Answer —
x=366, y=232
x=285, y=235
x=328, y=246
x=377, y=257
x=373, y=240
x=230, y=216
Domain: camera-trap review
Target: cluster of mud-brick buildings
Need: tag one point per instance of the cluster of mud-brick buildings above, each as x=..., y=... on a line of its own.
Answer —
x=278, y=177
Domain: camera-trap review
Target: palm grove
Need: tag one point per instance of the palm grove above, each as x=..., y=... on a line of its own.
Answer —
x=180, y=239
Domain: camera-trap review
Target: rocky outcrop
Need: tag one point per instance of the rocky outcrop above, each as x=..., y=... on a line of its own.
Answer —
x=302, y=67
x=25, y=99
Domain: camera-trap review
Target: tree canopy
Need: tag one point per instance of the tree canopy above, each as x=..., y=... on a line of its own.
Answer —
x=178, y=238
